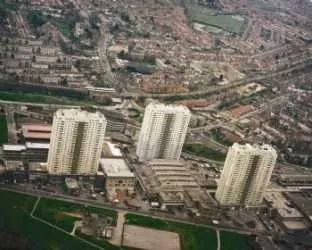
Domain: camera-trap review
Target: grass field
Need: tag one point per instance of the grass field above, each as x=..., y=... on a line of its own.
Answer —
x=10, y=6
x=3, y=129
x=56, y=212
x=234, y=241
x=15, y=218
x=38, y=19
x=49, y=99
x=203, y=151
x=230, y=23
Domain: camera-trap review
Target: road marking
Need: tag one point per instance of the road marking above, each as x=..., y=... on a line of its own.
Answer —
x=219, y=240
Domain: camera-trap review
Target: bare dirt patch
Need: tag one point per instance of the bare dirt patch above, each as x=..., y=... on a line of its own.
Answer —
x=150, y=239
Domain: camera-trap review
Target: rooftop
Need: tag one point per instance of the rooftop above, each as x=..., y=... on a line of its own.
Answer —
x=172, y=108
x=165, y=162
x=255, y=147
x=32, y=145
x=37, y=135
x=36, y=131
x=172, y=174
x=237, y=112
x=71, y=183
x=78, y=114
x=303, y=200
x=37, y=166
x=115, y=168
x=36, y=127
x=9, y=147
x=113, y=149
x=283, y=206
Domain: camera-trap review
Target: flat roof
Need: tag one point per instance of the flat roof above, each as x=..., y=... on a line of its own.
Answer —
x=165, y=162
x=36, y=135
x=295, y=224
x=37, y=166
x=279, y=201
x=37, y=127
x=114, y=150
x=115, y=168
x=303, y=200
x=37, y=131
x=71, y=183
x=14, y=164
x=79, y=115
x=171, y=108
x=32, y=145
x=254, y=148
x=10, y=147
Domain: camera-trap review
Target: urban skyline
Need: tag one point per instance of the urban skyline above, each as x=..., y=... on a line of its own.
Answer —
x=160, y=125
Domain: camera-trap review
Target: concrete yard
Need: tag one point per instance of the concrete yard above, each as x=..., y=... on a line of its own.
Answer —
x=150, y=239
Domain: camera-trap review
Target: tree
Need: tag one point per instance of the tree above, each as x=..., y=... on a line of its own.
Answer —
x=141, y=99
x=64, y=82
x=36, y=19
x=131, y=46
x=122, y=55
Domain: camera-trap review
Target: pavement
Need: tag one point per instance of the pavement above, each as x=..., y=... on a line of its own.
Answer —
x=218, y=239
x=117, y=236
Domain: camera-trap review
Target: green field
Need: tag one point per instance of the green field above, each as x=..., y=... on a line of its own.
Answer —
x=195, y=237
x=54, y=211
x=15, y=219
x=3, y=129
x=234, y=241
x=48, y=99
x=8, y=5
x=37, y=19
x=203, y=151
x=230, y=23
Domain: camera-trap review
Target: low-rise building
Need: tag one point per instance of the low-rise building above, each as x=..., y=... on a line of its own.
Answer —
x=119, y=180
x=287, y=215
x=13, y=152
x=111, y=150
x=36, y=132
x=37, y=151
x=72, y=186
x=37, y=171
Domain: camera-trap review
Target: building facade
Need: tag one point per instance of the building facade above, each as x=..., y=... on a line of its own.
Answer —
x=246, y=174
x=119, y=180
x=163, y=132
x=76, y=142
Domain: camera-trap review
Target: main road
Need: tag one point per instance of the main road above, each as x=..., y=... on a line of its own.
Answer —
x=216, y=88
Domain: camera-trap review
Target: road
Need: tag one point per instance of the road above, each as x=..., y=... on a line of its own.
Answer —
x=229, y=125
x=154, y=215
x=199, y=158
x=117, y=236
x=102, y=51
x=215, y=88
